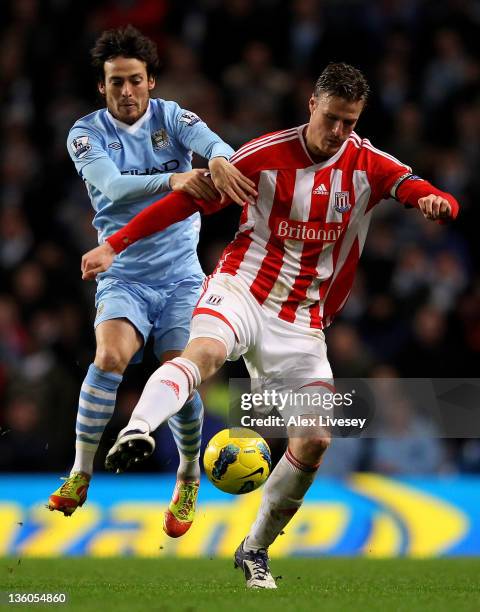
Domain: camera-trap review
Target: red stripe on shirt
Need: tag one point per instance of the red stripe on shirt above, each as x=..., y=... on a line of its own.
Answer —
x=273, y=260
x=308, y=263
x=316, y=320
x=204, y=289
x=267, y=139
x=234, y=253
x=342, y=284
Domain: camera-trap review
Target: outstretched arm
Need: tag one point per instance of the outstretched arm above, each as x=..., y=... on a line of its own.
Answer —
x=435, y=205
x=156, y=217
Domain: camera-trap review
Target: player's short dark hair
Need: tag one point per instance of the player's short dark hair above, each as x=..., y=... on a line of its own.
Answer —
x=124, y=42
x=343, y=81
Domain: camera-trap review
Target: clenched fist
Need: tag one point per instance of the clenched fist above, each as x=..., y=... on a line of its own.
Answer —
x=435, y=207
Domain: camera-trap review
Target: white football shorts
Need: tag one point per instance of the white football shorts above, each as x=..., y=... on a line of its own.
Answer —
x=273, y=349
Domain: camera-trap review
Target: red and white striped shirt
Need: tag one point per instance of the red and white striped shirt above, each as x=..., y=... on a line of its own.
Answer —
x=298, y=247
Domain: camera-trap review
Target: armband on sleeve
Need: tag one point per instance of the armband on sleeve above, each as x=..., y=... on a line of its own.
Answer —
x=409, y=188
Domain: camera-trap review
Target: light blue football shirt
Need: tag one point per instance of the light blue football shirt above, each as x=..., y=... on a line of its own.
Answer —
x=127, y=167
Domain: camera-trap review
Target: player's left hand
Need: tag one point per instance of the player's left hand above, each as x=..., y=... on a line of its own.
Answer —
x=435, y=207
x=96, y=261
x=231, y=183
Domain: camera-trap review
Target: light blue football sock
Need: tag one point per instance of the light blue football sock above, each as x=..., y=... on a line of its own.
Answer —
x=186, y=427
x=95, y=408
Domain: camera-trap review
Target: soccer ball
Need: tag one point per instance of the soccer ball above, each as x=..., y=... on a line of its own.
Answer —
x=237, y=464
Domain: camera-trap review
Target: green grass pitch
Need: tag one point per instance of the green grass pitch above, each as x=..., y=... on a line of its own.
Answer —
x=188, y=585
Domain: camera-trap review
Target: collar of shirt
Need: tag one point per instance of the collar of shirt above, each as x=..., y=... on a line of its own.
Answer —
x=131, y=129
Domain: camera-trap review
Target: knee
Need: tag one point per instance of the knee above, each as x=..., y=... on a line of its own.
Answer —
x=309, y=450
x=317, y=445
x=217, y=355
x=211, y=359
x=208, y=354
x=110, y=360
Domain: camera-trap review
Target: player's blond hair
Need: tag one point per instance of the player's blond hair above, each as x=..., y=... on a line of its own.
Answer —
x=343, y=81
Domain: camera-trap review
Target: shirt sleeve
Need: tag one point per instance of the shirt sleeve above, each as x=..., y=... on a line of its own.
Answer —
x=194, y=134
x=93, y=164
x=411, y=188
x=387, y=172
x=392, y=179
x=161, y=214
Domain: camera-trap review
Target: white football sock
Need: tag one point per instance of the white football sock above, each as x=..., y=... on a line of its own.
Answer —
x=167, y=389
x=282, y=496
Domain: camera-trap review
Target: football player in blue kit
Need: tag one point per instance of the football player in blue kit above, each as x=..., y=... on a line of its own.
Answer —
x=129, y=154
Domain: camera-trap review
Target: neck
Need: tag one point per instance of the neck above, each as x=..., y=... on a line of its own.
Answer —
x=314, y=151
x=128, y=121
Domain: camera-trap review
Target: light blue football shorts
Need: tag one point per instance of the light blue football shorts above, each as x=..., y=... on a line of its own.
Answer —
x=164, y=312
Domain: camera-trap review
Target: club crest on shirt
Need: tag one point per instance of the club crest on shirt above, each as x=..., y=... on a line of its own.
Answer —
x=342, y=201
x=160, y=139
x=189, y=118
x=80, y=146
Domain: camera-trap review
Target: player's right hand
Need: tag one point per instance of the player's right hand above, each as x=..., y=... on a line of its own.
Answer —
x=96, y=261
x=196, y=183
x=231, y=183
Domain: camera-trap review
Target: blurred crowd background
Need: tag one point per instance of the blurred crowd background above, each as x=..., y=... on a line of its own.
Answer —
x=246, y=67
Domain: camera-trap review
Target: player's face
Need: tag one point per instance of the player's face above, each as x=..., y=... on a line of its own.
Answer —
x=332, y=120
x=126, y=88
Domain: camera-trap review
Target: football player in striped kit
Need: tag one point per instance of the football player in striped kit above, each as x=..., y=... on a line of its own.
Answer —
x=283, y=278
x=128, y=154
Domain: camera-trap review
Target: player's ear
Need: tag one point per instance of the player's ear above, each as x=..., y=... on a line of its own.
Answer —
x=101, y=87
x=312, y=104
x=151, y=83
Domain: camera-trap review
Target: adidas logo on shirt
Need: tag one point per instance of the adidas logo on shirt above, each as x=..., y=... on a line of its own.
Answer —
x=320, y=190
